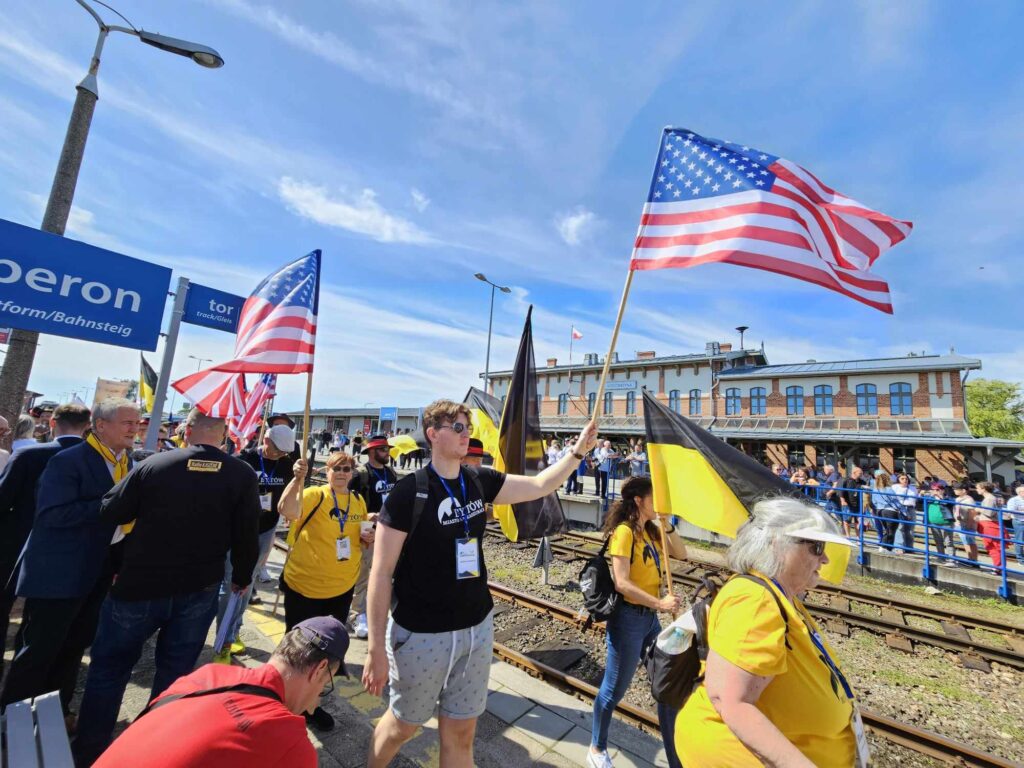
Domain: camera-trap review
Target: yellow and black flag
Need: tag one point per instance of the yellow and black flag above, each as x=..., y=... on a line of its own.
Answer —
x=709, y=483
x=521, y=450
x=485, y=416
x=147, y=385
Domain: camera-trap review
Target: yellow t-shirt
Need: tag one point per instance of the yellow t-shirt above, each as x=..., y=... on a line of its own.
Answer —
x=313, y=568
x=643, y=571
x=811, y=709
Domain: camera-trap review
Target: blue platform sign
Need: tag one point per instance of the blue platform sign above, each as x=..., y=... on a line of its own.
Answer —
x=212, y=308
x=389, y=414
x=56, y=285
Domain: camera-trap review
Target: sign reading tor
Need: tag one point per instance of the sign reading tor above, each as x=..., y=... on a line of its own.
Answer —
x=64, y=287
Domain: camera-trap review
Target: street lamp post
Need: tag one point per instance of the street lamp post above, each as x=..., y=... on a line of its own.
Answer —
x=22, y=346
x=490, y=324
x=200, y=361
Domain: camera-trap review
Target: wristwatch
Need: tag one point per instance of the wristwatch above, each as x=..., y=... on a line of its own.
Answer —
x=578, y=456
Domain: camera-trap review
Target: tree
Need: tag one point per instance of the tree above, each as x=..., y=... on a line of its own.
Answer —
x=995, y=409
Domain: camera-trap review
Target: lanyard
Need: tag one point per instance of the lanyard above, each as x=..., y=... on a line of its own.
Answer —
x=342, y=519
x=264, y=477
x=383, y=476
x=463, y=516
x=649, y=546
x=820, y=645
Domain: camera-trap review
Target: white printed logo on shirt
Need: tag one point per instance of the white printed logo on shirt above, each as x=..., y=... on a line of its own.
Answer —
x=448, y=511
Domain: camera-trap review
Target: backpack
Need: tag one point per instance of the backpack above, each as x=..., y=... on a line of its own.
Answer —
x=600, y=598
x=674, y=677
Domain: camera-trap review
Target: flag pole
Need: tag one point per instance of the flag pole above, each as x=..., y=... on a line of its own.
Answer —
x=611, y=349
x=664, y=550
x=303, y=450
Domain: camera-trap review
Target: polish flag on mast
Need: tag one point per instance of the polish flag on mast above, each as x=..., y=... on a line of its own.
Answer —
x=576, y=335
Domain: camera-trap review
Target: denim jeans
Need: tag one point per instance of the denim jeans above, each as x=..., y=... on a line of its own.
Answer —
x=630, y=629
x=266, y=542
x=908, y=515
x=183, y=622
x=1018, y=538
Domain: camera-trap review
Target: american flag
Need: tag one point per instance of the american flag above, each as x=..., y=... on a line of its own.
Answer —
x=245, y=423
x=277, y=325
x=216, y=393
x=718, y=201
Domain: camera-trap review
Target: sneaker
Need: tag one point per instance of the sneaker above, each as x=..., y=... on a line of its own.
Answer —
x=880, y=549
x=237, y=646
x=320, y=719
x=362, y=631
x=224, y=657
x=264, y=577
x=255, y=600
x=598, y=759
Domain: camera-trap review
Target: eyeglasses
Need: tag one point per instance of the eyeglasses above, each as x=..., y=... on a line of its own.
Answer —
x=458, y=427
x=329, y=685
x=817, y=547
x=345, y=469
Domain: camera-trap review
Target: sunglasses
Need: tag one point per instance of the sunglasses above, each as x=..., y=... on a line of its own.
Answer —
x=817, y=547
x=458, y=427
x=343, y=469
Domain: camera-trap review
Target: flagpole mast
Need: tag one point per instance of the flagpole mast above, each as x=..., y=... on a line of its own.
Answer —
x=611, y=349
x=664, y=552
x=303, y=450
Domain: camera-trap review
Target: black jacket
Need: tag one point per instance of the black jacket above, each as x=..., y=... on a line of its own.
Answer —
x=190, y=507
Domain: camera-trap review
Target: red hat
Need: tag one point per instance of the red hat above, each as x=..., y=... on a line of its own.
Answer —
x=476, y=448
x=376, y=441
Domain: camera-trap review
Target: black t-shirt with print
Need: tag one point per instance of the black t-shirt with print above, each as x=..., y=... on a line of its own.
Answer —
x=429, y=598
x=373, y=485
x=278, y=473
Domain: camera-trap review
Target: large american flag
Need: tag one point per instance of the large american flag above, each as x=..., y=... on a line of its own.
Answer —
x=216, y=393
x=718, y=201
x=277, y=325
x=245, y=423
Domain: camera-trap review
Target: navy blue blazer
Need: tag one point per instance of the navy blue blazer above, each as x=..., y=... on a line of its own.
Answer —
x=18, y=497
x=68, y=546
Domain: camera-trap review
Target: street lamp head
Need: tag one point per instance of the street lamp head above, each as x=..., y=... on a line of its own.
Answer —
x=202, y=55
x=480, y=276
x=506, y=290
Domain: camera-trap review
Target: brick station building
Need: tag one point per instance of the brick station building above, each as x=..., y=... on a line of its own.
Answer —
x=899, y=414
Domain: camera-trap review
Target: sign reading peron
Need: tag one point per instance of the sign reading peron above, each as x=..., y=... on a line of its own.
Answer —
x=52, y=284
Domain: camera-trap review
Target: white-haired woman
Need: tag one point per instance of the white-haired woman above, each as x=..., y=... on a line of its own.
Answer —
x=773, y=693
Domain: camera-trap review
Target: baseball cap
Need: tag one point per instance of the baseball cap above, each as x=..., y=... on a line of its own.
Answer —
x=275, y=416
x=814, y=528
x=282, y=437
x=329, y=635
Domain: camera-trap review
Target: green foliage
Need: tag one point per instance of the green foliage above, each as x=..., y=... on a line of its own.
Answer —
x=995, y=409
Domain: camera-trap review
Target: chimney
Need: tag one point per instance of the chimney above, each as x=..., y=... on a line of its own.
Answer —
x=725, y=346
x=552, y=362
x=646, y=355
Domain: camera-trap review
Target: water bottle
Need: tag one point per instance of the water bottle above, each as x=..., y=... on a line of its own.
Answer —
x=677, y=642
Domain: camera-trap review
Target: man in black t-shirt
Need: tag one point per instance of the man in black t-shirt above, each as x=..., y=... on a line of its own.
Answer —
x=373, y=481
x=272, y=462
x=440, y=636
x=852, y=502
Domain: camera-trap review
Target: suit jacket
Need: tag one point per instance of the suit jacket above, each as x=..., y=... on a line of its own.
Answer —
x=69, y=543
x=18, y=497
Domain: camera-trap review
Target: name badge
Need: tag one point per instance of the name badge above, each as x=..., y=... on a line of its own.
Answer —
x=344, y=548
x=863, y=751
x=384, y=498
x=265, y=502
x=467, y=558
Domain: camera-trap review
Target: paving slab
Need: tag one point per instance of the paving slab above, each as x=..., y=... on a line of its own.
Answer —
x=543, y=725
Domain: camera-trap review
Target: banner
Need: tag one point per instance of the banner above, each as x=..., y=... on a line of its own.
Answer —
x=55, y=285
x=211, y=308
x=107, y=388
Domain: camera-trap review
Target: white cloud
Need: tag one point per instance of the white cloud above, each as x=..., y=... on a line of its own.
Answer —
x=419, y=200
x=361, y=213
x=576, y=226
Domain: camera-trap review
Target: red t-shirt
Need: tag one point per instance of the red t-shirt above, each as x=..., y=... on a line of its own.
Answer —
x=223, y=730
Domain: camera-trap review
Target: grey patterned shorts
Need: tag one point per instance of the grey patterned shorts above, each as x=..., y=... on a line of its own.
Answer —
x=443, y=672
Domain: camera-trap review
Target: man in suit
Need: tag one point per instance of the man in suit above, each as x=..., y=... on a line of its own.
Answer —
x=67, y=564
x=18, y=498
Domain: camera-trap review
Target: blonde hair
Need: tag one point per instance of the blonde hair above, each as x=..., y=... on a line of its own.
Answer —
x=339, y=457
x=761, y=543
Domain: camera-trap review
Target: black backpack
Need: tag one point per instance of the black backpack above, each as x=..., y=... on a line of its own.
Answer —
x=674, y=677
x=600, y=599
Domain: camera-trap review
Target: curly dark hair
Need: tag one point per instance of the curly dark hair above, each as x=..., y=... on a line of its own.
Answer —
x=625, y=510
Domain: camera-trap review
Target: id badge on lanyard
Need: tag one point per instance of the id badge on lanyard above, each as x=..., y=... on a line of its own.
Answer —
x=265, y=502
x=861, y=737
x=342, y=545
x=467, y=558
x=344, y=548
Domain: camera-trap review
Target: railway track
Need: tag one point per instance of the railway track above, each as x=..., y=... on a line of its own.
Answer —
x=924, y=742
x=834, y=606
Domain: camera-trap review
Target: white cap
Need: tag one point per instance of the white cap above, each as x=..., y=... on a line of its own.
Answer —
x=813, y=528
x=283, y=437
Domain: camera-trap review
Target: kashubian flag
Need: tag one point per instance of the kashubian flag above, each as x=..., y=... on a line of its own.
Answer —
x=403, y=444
x=147, y=385
x=520, y=450
x=485, y=416
x=708, y=482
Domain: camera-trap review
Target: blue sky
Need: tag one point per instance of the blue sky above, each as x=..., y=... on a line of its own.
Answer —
x=417, y=143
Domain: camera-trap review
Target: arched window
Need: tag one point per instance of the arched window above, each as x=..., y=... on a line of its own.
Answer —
x=758, y=401
x=867, y=400
x=695, y=402
x=823, y=400
x=733, y=404
x=795, y=401
x=631, y=403
x=591, y=403
x=563, y=404
x=673, y=401
x=900, y=401
x=607, y=410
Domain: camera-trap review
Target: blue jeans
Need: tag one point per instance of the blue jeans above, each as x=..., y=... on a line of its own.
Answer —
x=908, y=516
x=183, y=622
x=1018, y=538
x=266, y=542
x=630, y=629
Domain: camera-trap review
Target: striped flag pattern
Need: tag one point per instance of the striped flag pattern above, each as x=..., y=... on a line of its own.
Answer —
x=718, y=201
x=216, y=393
x=245, y=423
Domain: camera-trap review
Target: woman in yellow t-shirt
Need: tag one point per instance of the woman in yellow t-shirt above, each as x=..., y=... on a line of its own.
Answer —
x=773, y=692
x=323, y=564
x=635, y=548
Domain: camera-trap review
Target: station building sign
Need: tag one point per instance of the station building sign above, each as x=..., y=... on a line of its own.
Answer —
x=56, y=285
x=618, y=386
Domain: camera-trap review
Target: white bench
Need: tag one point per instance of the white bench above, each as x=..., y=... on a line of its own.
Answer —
x=34, y=734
